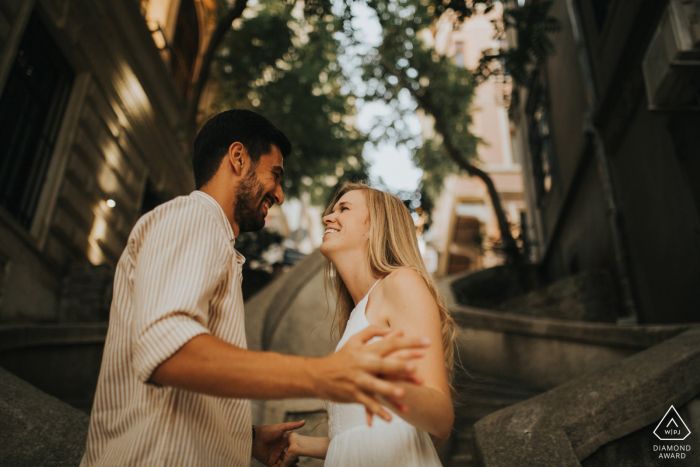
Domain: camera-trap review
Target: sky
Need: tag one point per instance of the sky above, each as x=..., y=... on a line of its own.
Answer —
x=389, y=163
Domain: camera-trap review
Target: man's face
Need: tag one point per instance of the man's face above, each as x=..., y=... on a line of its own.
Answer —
x=258, y=191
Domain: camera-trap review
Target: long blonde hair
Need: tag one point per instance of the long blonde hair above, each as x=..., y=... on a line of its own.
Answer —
x=392, y=245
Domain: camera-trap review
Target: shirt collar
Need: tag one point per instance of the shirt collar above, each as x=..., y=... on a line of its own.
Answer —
x=220, y=215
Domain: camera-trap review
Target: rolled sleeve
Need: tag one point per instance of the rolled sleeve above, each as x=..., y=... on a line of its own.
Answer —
x=159, y=342
x=178, y=268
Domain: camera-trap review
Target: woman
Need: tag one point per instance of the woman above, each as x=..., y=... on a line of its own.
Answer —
x=378, y=277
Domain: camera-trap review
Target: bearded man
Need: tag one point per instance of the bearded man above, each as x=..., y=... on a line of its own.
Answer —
x=176, y=377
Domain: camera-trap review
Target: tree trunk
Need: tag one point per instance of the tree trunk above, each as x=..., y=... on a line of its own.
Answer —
x=222, y=27
x=422, y=95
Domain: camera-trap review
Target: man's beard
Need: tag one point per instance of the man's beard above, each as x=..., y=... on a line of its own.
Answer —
x=247, y=209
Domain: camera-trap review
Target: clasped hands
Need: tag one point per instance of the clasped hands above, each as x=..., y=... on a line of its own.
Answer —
x=359, y=372
x=271, y=442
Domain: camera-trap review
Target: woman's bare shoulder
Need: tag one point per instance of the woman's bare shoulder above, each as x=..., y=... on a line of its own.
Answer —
x=403, y=277
x=406, y=296
x=405, y=284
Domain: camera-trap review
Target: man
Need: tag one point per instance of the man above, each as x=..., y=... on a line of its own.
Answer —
x=176, y=377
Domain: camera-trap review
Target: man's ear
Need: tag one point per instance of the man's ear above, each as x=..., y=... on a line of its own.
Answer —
x=238, y=158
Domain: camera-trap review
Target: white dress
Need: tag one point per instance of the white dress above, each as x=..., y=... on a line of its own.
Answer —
x=384, y=444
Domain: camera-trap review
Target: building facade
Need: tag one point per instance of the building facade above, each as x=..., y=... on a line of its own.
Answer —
x=609, y=137
x=464, y=225
x=92, y=105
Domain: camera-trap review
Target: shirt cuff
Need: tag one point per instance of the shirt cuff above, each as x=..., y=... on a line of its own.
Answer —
x=161, y=341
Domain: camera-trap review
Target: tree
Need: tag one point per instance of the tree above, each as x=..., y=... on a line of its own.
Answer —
x=405, y=64
x=280, y=59
x=223, y=26
x=283, y=62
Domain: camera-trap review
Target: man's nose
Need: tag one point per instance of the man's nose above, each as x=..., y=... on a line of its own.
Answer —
x=279, y=195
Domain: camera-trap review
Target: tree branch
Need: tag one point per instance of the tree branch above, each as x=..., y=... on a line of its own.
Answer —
x=222, y=27
x=424, y=99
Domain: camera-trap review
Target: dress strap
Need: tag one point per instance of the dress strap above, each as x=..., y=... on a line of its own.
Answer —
x=370, y=290
x=366, y=297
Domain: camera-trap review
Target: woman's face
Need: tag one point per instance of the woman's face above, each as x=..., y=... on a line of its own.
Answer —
x=347, y=226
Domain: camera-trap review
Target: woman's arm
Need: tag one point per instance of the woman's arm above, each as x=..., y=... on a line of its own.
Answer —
x=404, y=301
x=310, y=446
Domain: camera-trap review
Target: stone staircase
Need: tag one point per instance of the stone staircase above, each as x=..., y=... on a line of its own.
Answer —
x=480, y=394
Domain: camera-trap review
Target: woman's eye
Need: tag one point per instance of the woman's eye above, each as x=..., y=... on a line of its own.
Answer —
x=343, y=209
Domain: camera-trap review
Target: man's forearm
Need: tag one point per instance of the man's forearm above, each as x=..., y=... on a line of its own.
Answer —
x=211, y=366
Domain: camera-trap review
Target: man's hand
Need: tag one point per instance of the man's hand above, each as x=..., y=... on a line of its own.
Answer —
x=359, y=371
x=270, y=442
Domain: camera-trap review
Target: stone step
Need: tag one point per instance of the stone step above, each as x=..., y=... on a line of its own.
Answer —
x=462, y=460
x=480, y=395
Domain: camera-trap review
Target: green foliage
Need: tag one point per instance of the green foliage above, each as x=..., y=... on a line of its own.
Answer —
x=533, y=27
x=281, y=60
x=436, y=166
x=462, y=9
x=254, y=244
x=405, y=64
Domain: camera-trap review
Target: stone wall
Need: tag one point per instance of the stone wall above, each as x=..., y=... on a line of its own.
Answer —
x=589, y=296
x=86, y=293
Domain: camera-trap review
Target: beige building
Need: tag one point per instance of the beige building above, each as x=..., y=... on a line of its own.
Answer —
x=464, y=225
x=91, y=111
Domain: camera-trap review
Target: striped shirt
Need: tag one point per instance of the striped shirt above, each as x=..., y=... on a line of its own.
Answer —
x=178, y=277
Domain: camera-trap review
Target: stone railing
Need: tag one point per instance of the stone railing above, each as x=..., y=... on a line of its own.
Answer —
x=571, y=422
x=37, y=429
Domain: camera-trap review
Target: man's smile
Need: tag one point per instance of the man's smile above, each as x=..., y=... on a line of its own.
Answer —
x=267, y=204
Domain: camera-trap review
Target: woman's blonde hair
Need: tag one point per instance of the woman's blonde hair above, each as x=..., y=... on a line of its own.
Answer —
x=392, y=245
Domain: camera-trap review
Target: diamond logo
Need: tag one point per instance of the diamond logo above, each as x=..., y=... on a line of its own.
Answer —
x=672, y=427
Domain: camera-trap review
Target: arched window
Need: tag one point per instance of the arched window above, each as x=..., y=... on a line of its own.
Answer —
x=185, y=47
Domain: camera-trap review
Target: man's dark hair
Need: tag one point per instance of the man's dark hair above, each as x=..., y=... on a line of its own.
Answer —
x=252, y=130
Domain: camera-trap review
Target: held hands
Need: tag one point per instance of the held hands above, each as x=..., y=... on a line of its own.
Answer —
x=291, y=456
x=304, y=446
x=361, y=372
x=270, y=442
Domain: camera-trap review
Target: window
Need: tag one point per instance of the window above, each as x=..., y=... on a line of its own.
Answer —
x=467, y=231
x=459, y=54
x=185, y=46
x=540, y=142
x=31, y=111
x=468, y=239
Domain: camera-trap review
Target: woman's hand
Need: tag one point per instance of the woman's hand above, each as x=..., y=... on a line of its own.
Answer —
x=357, y=372
x=294, y=450
x=299, y=445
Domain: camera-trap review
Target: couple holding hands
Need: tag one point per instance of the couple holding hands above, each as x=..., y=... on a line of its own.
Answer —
x=176, y=378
